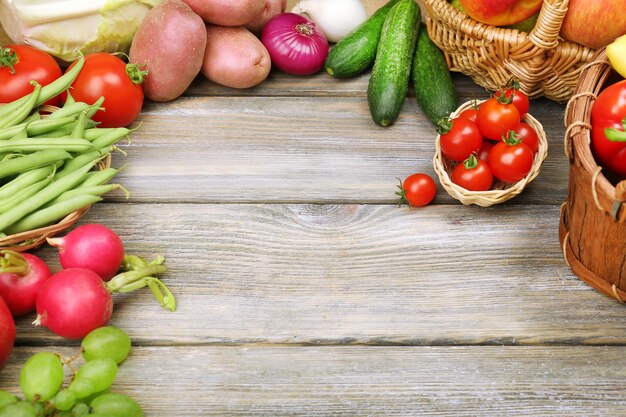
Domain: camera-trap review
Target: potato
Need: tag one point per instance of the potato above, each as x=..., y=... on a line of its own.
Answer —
x=170, y=41
x=227, y=12
x=234, y=57
x=271, y=9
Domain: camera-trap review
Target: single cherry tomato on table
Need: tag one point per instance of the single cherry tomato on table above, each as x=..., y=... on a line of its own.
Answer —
x=417, y=190
x=19, y=64
x=105, y=75
x=496, y=117
x=473, y=175
x=510, y=160
x=528, y=136
x=459, y=138
x=519, y=98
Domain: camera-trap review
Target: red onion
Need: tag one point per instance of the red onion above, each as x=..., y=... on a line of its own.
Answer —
x=295, y=44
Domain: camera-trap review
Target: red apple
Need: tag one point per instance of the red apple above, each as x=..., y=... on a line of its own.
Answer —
x=594, y=23
x=501, y=12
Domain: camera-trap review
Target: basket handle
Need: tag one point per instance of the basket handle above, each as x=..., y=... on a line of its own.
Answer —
x=620, y=199
x=545, y=34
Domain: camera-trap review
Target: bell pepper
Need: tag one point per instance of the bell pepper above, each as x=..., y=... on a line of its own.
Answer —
x=608, y=129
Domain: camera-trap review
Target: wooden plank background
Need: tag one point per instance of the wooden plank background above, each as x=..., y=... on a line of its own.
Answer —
x=303, y=290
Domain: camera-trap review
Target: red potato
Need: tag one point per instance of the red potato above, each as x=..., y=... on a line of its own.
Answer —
x=234, y=57
x=170, y=42
x=227, y=12
x=271, y=9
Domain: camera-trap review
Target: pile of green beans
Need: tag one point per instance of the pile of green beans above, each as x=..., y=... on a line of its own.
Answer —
x=47, y=164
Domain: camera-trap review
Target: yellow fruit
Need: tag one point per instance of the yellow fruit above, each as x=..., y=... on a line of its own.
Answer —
x=616, y=52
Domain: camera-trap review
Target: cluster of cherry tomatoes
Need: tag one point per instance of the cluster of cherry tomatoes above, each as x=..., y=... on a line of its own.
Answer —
x=490, y=141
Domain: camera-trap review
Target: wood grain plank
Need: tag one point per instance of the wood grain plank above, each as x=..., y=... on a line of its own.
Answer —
x=354, y=274
x=271, y=149
x=366, y=381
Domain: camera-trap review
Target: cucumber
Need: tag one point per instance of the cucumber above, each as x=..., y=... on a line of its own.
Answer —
x=355, y=54
x=434, y=88
x=389, y=82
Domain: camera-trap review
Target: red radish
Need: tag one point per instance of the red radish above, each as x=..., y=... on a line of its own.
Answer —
x=91, y=246
x=7, y=333
x=76, y=301
x=21, y=276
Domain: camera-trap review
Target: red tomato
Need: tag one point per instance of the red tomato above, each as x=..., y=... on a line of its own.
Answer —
x=496, y=118
x=520, y=100
x=609, y=112
x=19, y=64
x=510, y=162
x=528, y=136
x=7, y=333
x=473, y=175
x=107, y=75
x=470, y=114
x=483, y=152
x=417, y=190
x=459, y=139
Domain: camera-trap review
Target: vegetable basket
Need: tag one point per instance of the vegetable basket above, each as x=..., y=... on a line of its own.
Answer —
x=593, y=219
x=544, y=64
x=33, y=238
x=500, y=191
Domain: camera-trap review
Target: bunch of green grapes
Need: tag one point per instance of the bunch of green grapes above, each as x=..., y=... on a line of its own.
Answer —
x=41, y=381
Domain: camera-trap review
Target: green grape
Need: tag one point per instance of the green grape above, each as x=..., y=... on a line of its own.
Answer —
x=81, y=387
x=6, y=398
x=100, y=372
x=40, y=409
x=106, y=342
x=116, y=405
x=18, y=409
x=64, y=400
x=80, y=410
x=41, y=376
x=94, y=395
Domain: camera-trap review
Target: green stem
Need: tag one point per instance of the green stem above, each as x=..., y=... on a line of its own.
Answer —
x=12, y=262
x=135, y=73
x=124, y=279
x=8, y=58
x=615, y=135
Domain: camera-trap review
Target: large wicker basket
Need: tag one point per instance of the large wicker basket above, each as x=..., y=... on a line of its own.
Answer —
x=593, y=219
x=544, y=64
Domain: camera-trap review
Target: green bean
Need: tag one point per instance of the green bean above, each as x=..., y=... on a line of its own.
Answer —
x=22, y=134
x=111, y=138
x=33, y=117
x=92, y=190
x=47, y=92
x=81, y=160
x=65, y=131
x=52, y=191
x=23, y=194
x=21, y=112
x=51, y=214
x=43, y=126
x=97, y=177
x=95, y=107
x=32, y=161
x=40, y=144
x=25, y=179
x=69, y=110
x=79, y=126
x=95, y=133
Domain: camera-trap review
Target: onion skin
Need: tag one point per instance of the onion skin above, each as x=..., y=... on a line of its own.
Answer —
x=295, y=44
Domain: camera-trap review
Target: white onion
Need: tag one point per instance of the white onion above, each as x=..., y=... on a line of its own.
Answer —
x=336, y=18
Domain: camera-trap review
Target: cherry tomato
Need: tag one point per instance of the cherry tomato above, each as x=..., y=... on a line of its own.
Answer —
x=496, y=118
x=528, y=135
x=473, y=175
x=417, y=190
x=510, y=160
x=120, y=84
x=470, y=114
x=459, y=139
x=520, y=100
x=19, y=64
x=609, y=112
x=483, y=152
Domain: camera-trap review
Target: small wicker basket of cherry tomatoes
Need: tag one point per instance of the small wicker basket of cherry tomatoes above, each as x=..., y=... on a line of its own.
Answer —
x=488, y=151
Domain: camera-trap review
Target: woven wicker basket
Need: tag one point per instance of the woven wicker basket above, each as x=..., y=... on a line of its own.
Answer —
x=593, y=219
x=544, y=64
x=500, y=191
x=33, y=238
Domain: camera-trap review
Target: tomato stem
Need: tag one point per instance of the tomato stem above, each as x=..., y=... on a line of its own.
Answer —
x=511, y=138
x=471, y=162
x=12, y=262
x=402, y=194
x=444, y=125
x=135, y=73
x=8, y=58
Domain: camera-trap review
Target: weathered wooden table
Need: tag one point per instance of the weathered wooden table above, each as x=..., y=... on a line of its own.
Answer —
x=304, y=290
